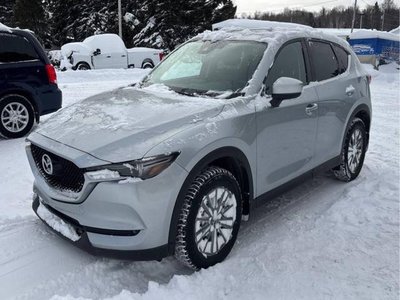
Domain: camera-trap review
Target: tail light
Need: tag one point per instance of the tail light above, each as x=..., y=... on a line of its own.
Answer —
x=161, y=55
x=369, y=78
x=51, y=74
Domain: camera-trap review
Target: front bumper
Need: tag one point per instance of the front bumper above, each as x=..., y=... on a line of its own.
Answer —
x=107, y=213
x=84, y=243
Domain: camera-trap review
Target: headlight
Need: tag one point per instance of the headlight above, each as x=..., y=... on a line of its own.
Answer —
x=144, y=168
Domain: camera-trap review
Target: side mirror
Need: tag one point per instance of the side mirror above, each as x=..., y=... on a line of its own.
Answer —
x=285, y=88
x=97, y=52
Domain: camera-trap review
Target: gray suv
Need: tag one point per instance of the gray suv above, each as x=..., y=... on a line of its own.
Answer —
x=173, y=164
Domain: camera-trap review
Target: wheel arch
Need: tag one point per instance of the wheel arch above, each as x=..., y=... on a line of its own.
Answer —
x=229, y=158
x=363, y=112
x=147, y=60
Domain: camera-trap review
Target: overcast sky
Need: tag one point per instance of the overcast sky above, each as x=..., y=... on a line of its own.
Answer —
x=250, y=6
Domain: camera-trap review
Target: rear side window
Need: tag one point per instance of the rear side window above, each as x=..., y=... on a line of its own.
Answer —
x=288, y=63
x=14, y=48
x=324, y=60
x=343, y=58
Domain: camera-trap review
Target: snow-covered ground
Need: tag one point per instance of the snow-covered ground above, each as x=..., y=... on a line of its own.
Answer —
x=322, y=240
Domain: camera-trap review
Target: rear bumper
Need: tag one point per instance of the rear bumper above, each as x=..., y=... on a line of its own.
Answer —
x=84, y=243
x=49, y=100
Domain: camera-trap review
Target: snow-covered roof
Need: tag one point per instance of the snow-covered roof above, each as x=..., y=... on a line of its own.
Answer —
x=4, y=28
x=273, y=33
x=255, y=24
x=395, y=31
x=373, y=34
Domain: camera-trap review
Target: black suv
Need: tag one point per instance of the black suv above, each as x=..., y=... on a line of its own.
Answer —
x=28, y=83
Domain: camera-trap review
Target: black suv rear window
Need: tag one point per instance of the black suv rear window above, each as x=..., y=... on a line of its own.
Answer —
x=324, y=60
x=14, y=48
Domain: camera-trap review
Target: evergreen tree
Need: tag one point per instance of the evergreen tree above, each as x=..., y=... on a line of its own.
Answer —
x=167, y=23
x=6, y=12
x=30, y=14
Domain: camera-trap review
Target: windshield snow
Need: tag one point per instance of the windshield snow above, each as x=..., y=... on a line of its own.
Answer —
x=205, y=67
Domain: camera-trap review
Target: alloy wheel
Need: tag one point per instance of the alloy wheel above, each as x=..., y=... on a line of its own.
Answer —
x=15, y=117
x=214, y=221
x=355, y=150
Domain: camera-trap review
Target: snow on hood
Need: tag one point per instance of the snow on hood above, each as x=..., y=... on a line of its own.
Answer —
x=76, y=47
x=126, y=123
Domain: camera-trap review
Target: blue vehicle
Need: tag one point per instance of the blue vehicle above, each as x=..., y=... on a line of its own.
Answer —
x=28, y=83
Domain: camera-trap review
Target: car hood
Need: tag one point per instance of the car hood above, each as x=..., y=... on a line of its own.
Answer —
x=126, y=123
x=78, y=47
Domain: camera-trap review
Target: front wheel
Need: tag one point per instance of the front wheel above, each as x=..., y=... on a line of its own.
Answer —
x=17, y=116
x=209, y=220
x=353, y=152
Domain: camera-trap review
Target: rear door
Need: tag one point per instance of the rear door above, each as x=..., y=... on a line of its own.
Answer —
x=286, y=134
x=337, y=91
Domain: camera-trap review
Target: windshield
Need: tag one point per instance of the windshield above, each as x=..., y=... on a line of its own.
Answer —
x=209, y=67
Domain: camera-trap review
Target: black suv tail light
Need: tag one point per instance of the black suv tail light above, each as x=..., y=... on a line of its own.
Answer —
x=51, y=74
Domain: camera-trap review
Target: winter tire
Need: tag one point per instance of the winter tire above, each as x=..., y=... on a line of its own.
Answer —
x=83, y=66
x=209, y=219
x=353, y=152
x=17, y=116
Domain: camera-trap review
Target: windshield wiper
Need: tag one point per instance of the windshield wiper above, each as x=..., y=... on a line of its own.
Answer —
x=187, y=91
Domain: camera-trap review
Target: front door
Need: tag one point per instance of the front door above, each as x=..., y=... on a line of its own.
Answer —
x=286, y=134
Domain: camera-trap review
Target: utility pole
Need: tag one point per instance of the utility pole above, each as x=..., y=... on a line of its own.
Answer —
x=361, y=20
x=383, y=16
x=120, y=18
x=354, y=16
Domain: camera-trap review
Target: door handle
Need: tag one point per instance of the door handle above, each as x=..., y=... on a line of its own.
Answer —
x=108, y=56
x=123, y=55
x=310, y=108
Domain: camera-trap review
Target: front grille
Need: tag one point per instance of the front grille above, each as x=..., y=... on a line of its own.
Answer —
x=66, y=175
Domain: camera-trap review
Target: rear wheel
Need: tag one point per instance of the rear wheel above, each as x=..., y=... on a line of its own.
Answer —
x=147, y=65
x=17, y=116
x=83, y=66
x=209, y=220
x=353, y=152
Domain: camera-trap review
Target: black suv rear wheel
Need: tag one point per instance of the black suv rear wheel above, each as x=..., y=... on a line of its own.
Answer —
x=17, y=116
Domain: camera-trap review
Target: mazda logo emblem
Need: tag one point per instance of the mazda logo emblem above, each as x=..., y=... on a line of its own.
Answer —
x=47, y=164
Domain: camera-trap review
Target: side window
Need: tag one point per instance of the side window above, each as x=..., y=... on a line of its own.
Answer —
x=288, y=63
x=14, y=48
x=324, y=60
x=343, y=58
